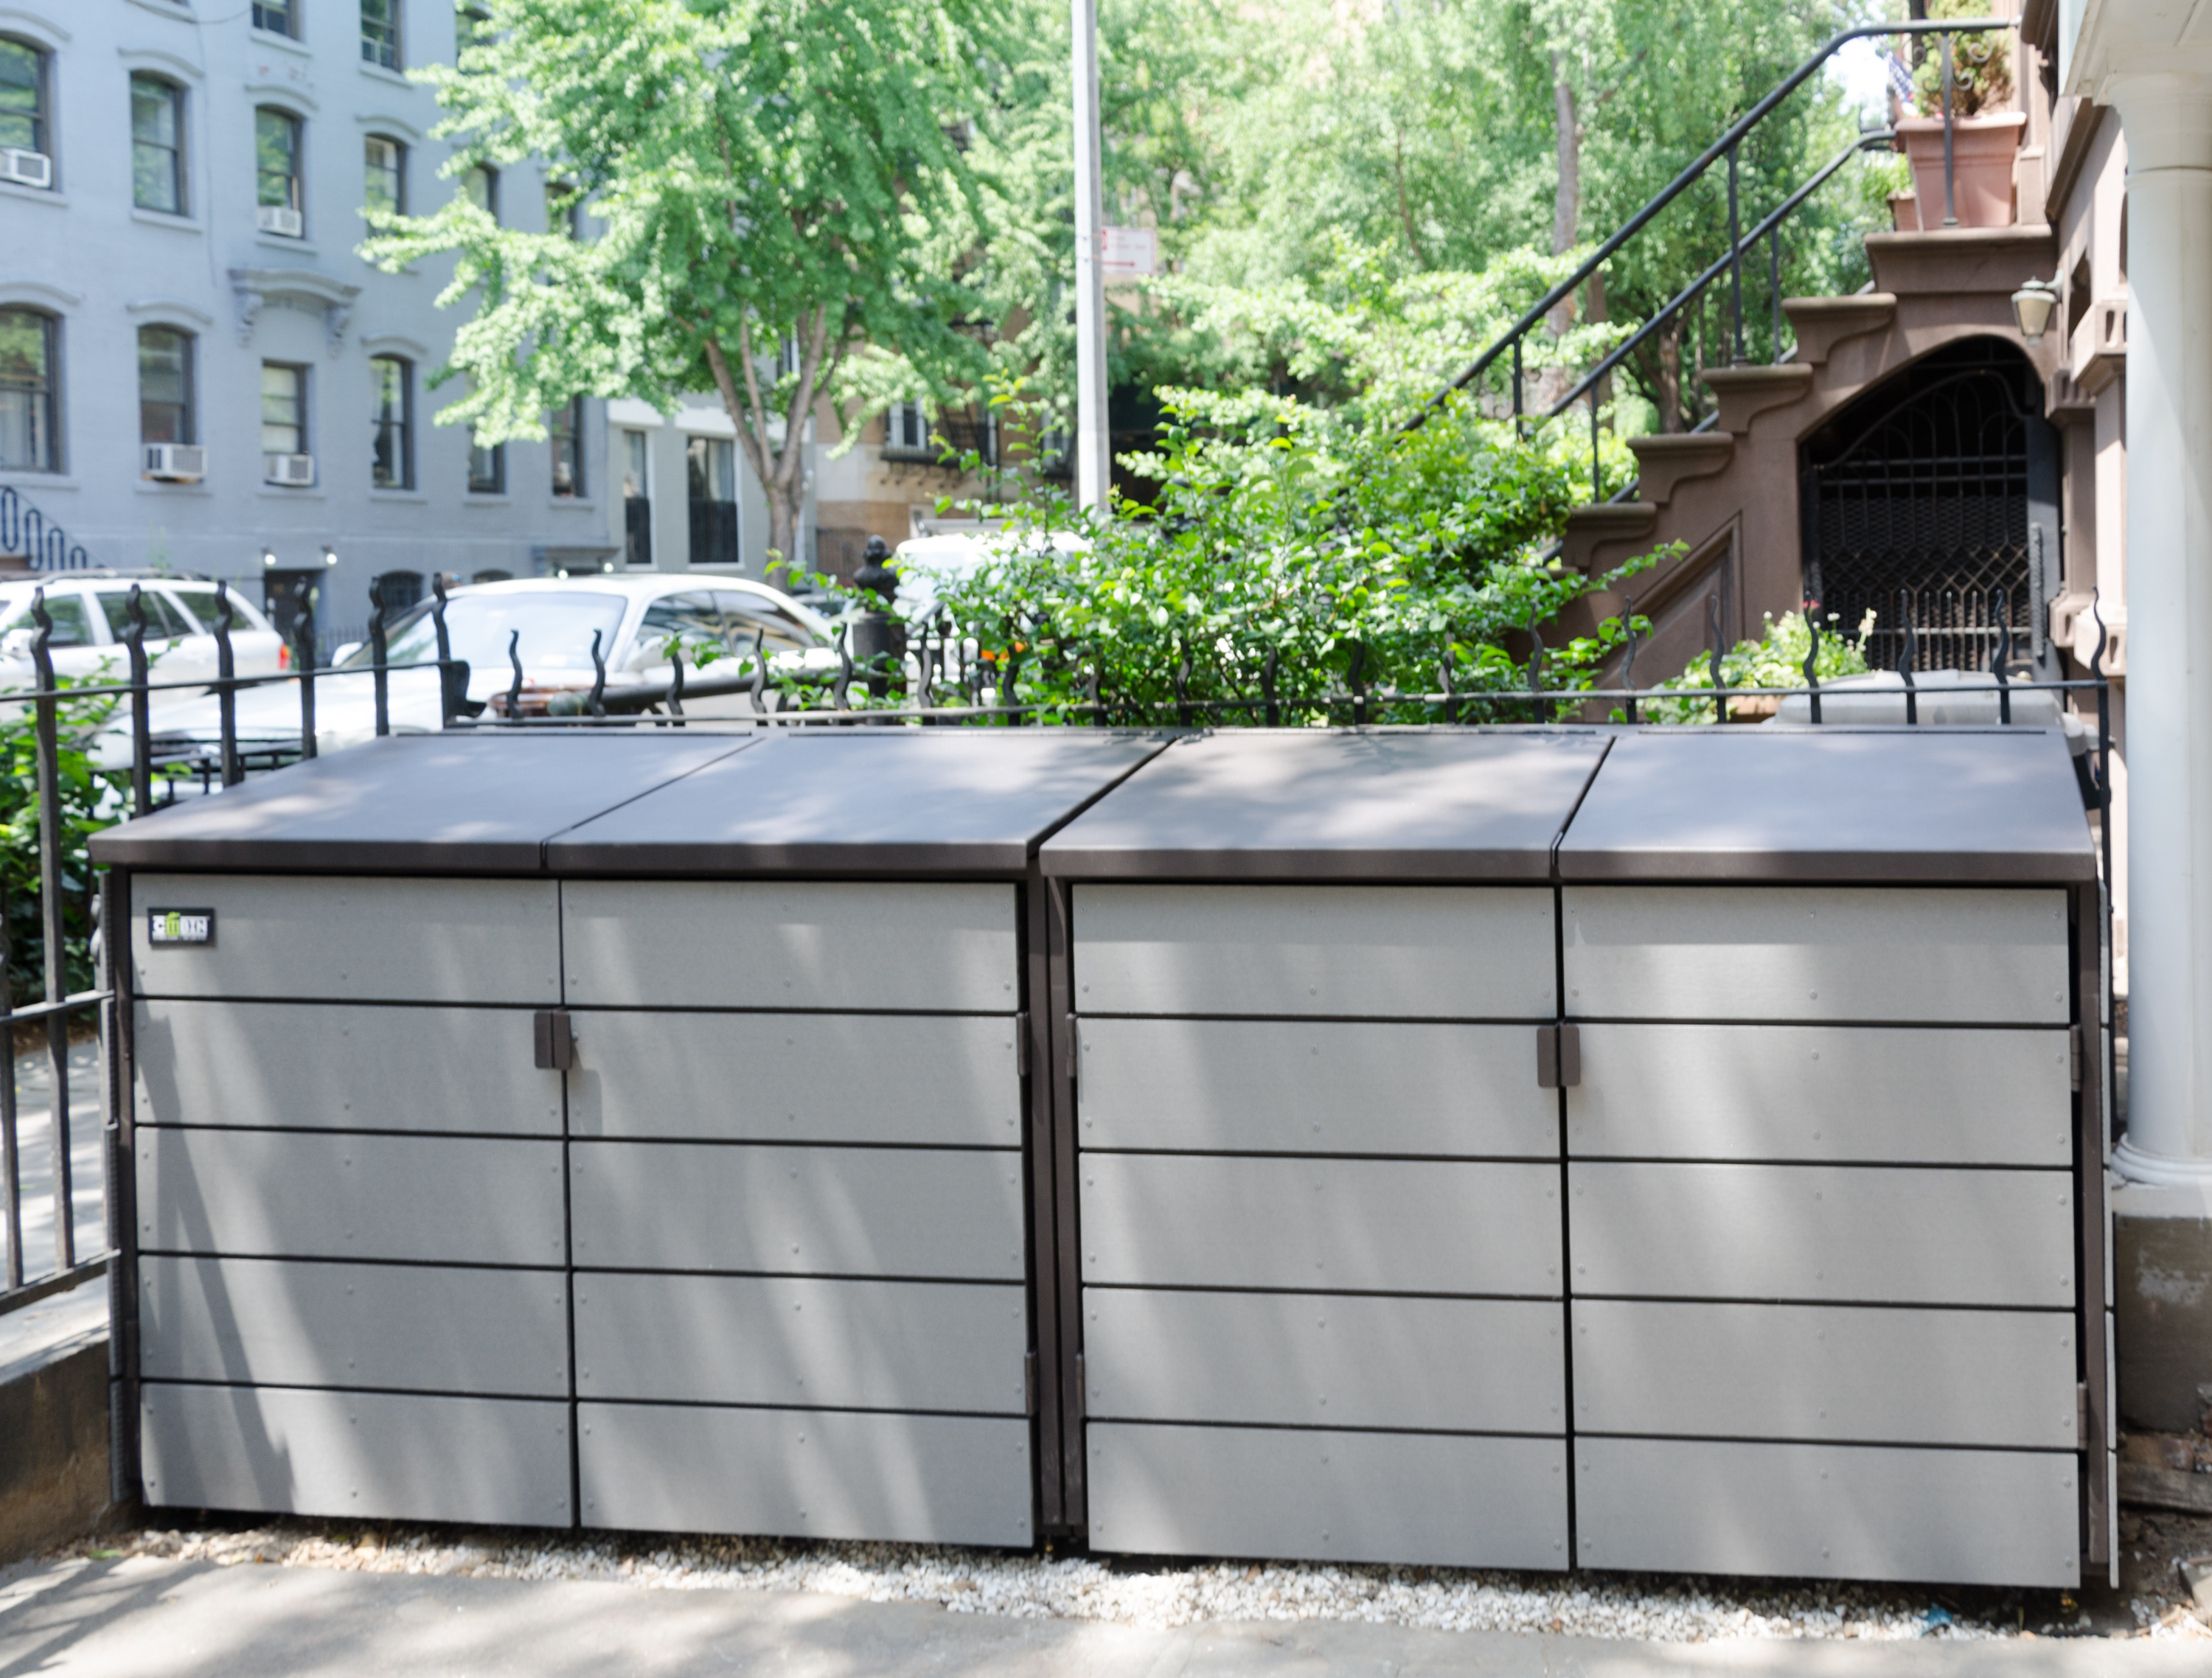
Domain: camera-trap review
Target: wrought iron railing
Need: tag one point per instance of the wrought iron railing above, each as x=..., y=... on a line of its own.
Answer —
x=1725, y=150
x=26, y=534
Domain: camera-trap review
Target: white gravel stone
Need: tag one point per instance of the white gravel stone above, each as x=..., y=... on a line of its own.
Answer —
x=1149, y=1594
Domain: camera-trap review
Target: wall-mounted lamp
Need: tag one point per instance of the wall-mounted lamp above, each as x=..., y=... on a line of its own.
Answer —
x=269, y=555
x=2032, y=306
x=330, y=555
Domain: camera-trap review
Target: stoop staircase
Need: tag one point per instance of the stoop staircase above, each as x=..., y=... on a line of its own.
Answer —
x=1730, y=494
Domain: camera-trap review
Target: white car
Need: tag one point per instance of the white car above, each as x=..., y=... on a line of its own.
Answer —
x=922, y=561
x=89, y=611
x=548, y=623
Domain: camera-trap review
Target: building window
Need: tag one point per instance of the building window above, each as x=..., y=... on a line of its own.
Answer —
x=276, y=158
x=480, y=185
x=710, y=468
x=384, y=163
x=566, y=426
x=165, y=385
x=637, y=505
x=906, y=433
x=487, y=468
x=391, y=391
x=25, y=121
x=380, y=32
x=157, y=144
x=564, y=208
x=279, y=17
x=27, y=391
x=283, y=418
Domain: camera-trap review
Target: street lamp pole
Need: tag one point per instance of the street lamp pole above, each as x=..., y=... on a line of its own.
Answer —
x=1092, y=442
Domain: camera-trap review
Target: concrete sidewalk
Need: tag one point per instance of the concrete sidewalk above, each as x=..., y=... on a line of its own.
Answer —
x=142, y=1618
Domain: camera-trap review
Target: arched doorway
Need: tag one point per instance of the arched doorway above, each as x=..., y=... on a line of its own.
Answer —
x=1940, y=484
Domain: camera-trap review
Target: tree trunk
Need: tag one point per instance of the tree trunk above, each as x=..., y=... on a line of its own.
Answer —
x=781, y=470
x=1567, y=200
x=1669, y=382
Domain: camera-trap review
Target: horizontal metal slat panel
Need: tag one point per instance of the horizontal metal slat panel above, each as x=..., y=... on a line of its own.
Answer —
x=1944, y=956
x=1375, y=952
x=1825, y=1373
x=385, y=1457
x=353, y=939
x=1441, y=1499
x=1390, y=1226
x=1955, y=1095
x=758, y=1339
x=789, y=943
x=1324, y=1360
x=320, y=1066
x=795, y=1077
x=415, y=1328
x=860, y=1211
x=1828, y=1511
x=435, y=1200
x=1845, y=1233
x=805, y=1473
x=1323, y=1086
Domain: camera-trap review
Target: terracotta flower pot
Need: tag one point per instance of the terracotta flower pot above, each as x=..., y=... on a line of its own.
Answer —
x=1983, y=149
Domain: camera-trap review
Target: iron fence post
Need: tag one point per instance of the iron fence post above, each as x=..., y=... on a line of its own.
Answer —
x=142, y=730
x=2001, y=607
x=1774, y=287
x=1516, y=389
x=11, y=1168
x=1628, y=654
x=52, y=905
x=1812, y=661
x=303, y=657
x=1907, y=652
x=379, y=654
x=226, y=671
x=1713, y=655
x=447, y=708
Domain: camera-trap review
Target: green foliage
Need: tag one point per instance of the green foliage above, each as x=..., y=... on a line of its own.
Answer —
x=1289, y=533
x=87, y=802
x=1981, y=64
x=1777, y=659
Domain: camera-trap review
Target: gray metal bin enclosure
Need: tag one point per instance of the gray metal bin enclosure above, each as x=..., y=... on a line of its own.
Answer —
x=801, y=990
x=1316, y=1182
x=1836, y=1207
x=345, y=1289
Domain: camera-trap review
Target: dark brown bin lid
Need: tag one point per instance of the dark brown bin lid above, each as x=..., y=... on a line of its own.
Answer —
x=1874, y=805
x=884, y=803
x=1315, y=805
x=473, y=803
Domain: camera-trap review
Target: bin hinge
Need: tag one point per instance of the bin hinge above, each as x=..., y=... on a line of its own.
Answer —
x=2074, y=1048
x=556, y=1041
x=1028, y=1383
x=1022, y=1045
x=2081, y=1415
x=1558, y=1056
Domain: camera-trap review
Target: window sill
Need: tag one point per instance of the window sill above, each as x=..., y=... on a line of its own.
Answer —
x=24, y=477
x=400, y=497
x=281, y=43
x=35, y=194
x=489, y=498
x=298, y=248
x=397, y=78
x=572, y=503
x=147, y=486
x=287, y=492
x=162, y=218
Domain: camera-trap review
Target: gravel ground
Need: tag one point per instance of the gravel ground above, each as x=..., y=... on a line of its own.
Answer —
x=1158, y=1594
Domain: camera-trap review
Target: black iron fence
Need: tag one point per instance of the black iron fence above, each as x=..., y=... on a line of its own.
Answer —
x=937, y=675
x=26, y=534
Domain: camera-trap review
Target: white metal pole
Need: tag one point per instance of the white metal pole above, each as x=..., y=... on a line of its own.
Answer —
x=1092, y=442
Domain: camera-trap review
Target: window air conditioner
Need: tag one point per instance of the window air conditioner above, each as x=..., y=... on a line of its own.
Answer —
x=278, y=219
x=27, y=168
x=176, y=463
x=297, y=470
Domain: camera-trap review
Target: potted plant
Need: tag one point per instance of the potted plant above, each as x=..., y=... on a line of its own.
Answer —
x=1985, y=135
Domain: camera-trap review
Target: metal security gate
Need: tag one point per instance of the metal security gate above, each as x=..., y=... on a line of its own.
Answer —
x=1934, y=498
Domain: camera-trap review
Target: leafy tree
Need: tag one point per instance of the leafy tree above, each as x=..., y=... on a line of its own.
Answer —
x=771, y=182
x=88, y=800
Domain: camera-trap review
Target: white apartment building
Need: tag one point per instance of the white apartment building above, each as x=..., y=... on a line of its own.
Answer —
x=196, y=369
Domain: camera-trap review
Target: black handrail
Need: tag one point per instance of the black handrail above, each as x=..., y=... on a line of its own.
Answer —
x=1723, y=147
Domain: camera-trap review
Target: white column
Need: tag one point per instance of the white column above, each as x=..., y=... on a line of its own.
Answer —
x=2167, y=120
x=1092, y=441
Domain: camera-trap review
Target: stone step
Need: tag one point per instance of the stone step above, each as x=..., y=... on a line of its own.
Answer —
x=1819, y=324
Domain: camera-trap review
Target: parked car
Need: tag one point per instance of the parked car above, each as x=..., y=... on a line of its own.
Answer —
x=922, y=561
x=89, y=613
x=549, y=623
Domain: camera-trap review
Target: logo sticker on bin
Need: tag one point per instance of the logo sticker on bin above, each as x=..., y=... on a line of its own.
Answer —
x=180, y=926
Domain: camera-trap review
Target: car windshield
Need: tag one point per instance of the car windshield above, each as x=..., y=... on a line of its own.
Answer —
x=67, y=611
x=556, y=630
